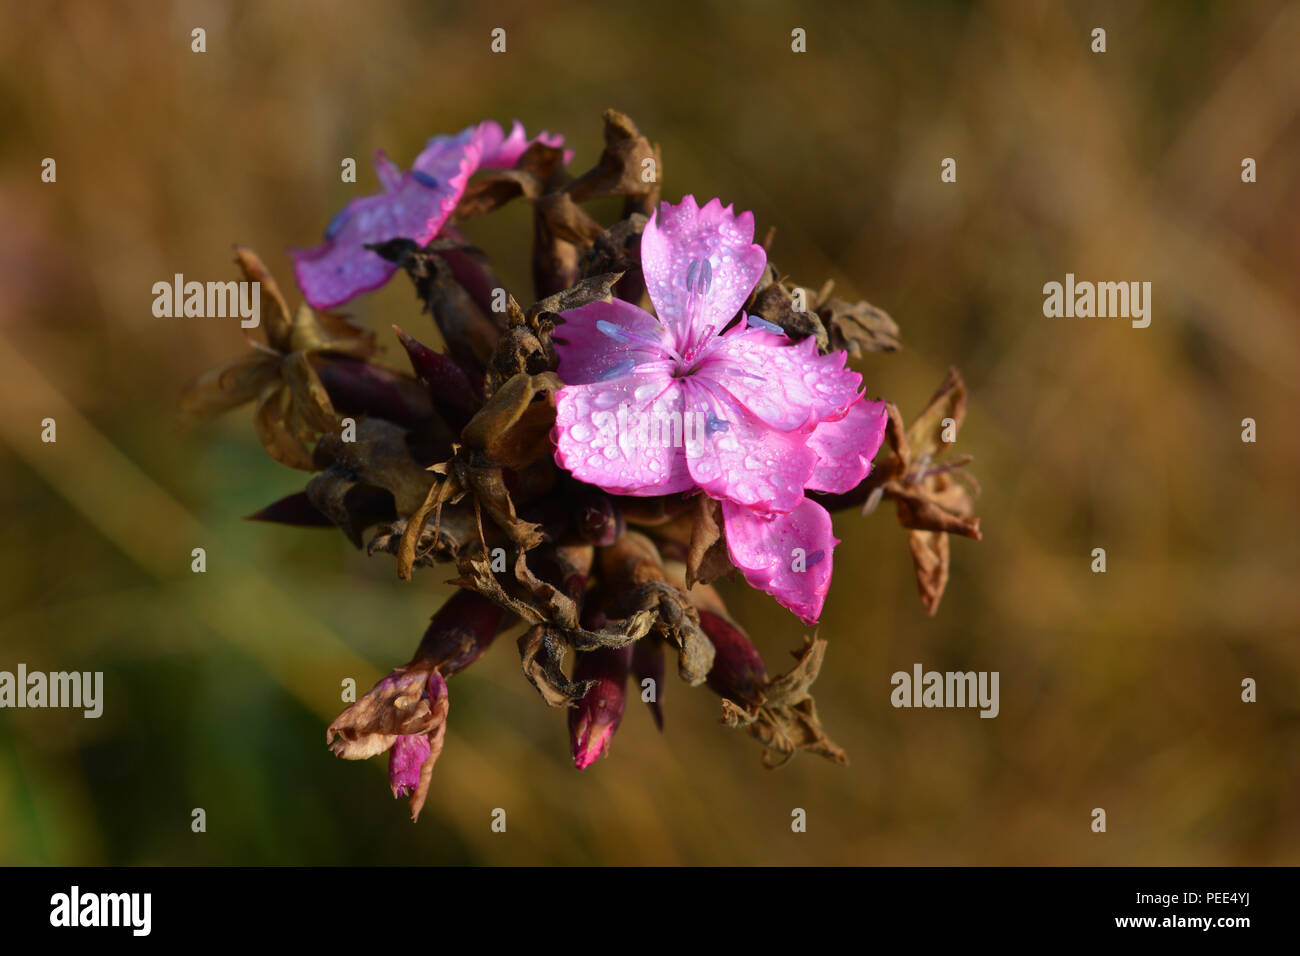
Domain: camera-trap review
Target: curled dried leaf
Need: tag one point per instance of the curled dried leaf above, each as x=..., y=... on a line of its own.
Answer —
x=542, y=654
x=513, y=427
x=271, y=419
x=230, y=386
x=771, y=300
x=274, y=311
x=787, y=722
x=597, y=288
x=858, y=327
x=367, y=481
x=707, y=558
x=625, y=165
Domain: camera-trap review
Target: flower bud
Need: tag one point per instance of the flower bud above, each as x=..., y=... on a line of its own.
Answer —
x=461, y=631
x=448, y=385
x=738, y=672
x=595, y=718
x=599, y=520
x=359, y=388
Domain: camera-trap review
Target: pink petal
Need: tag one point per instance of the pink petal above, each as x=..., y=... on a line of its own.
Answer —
x=787, y=386
x=405, y=761
x=771, y=550
x=453, y=158
x=603, y=335
x=413, y=206
x=675, y=243
x=388, y=172
x=624, y=435
x=503, y=152
x=733, y=454
x=846, y=447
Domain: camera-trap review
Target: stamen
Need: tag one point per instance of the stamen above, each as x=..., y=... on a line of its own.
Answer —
x=756, y=323
x=424, y=179
x=337, y=223
x=713, y=424
x=612, y=330
x=618, y=370
x=706, y=278
x=700, y=343
x=814, y=559
x=625, y=336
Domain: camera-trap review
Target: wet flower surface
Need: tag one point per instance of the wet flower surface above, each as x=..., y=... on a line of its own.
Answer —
x=588, y=466
x=736, y=410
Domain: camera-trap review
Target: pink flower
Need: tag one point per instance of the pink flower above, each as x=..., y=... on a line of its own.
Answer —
x=694, y=401
x=413, y=205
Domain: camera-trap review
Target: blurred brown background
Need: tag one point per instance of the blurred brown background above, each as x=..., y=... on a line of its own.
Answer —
x=1119, y=691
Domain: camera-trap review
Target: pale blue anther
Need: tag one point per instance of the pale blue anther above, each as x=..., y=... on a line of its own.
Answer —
x=713, y=424
x=756, y=323
x=618, y=371
x=424, y=179
x=613, y=331
x=815, y=559
x=337, y=223
x=699, y=277
x=705, y=281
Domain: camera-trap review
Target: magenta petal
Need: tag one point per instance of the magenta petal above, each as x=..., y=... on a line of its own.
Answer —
x=786, y=386
x=502, y=152
x=732, y=454
x=846, y=447
x=413, y=206
x=786, y=555
x=408, y=755
x=601, y=336
x=387, y=172
x=624, y=435
x=451, y=159
x=676, y=243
